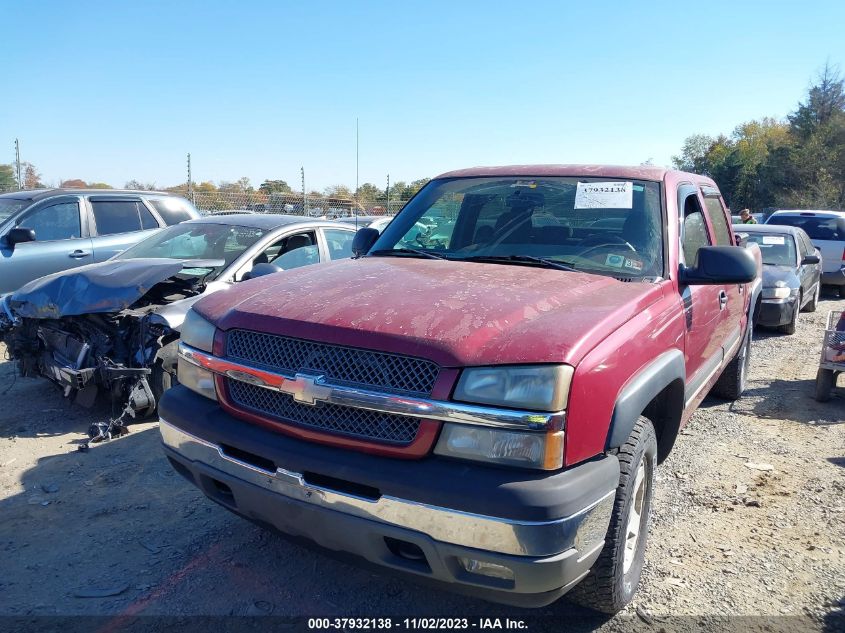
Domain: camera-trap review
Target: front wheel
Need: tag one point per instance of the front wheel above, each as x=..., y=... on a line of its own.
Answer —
x=813, y=303
x=613, y=580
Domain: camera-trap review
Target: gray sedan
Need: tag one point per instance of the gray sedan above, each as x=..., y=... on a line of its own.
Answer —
x=114, y=326
x=791, y=273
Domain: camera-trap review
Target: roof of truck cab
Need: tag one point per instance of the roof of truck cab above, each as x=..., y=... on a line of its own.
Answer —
x=640, y=172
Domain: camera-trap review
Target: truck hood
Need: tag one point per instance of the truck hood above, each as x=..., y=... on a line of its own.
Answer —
x=109, y=286
x=454, y=313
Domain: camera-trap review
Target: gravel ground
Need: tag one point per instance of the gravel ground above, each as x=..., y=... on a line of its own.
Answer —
x=748, y=522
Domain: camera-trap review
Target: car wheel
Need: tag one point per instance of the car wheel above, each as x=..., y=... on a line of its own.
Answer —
x=825, y=382
x=613, y=580
x=790, y=327
x=732, y=382
x=813, y=303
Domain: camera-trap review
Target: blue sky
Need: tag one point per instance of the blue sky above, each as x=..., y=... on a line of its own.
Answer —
x=109, y=91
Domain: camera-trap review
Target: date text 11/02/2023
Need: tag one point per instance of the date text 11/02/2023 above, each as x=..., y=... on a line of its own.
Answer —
x=416, y=623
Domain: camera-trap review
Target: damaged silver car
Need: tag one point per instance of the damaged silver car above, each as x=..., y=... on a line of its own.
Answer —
x=113, y=327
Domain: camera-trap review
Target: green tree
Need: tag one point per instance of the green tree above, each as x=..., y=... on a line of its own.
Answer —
x=274, y=186
x=99, y=185
x=7, y=178
x=338, y=191
x=140, y=186
x=693, y=156
x=825, y=100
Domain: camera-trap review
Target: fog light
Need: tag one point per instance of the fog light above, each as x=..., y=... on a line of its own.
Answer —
x=484, y=568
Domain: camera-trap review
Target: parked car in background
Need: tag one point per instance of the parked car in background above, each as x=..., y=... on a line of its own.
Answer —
x=791, y=273
x=113, y=326
x=827, y=232
x=45, y=231
x=487, y=412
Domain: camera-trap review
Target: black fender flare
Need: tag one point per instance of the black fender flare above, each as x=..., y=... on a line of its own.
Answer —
x=642, y=389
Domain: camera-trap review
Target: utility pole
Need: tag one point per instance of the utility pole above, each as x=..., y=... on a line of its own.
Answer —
x=190, y=180
x=387, y=193
x=18, y=163
x=304, y=197
x=356, y=163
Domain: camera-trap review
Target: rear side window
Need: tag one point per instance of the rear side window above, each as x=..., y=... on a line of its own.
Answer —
x=694, y=230
x=717, y=217
x=817, y=227
x=56, y=222
x=122, y=216
x=339, y=243
x=172, y=210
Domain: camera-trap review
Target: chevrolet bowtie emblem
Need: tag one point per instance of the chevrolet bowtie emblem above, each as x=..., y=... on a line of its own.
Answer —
x=306, y=389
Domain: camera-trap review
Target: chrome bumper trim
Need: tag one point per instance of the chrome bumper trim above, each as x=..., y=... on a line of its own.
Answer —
x=584, y=531
x=307, y=389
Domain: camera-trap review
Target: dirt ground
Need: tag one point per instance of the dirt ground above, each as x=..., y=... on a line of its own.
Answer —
x=749, y=521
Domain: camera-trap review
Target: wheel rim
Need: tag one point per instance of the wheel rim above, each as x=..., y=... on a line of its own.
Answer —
x=635, y=514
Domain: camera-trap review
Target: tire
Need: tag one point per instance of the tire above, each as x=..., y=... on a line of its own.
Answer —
x=813, y=303
x=734, y=379
x=825, y=381
x=790, y=327
x=613, y=580
x=160, y=381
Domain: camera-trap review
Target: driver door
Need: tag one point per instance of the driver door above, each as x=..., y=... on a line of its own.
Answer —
x=61, y=242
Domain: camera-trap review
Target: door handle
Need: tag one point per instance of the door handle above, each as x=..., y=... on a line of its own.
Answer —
x=723, y=299
x=78, y=254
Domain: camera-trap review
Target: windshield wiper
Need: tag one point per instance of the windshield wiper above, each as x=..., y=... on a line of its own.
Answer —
x=407, y=251
x=527, y=259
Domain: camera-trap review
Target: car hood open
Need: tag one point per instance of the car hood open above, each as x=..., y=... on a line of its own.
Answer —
x=104, y=287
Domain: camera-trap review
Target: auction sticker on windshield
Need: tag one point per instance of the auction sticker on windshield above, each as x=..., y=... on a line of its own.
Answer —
x=774, y=239
x=604, y=195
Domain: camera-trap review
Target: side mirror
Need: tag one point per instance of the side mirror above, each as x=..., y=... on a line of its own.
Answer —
x=363, y=241
x=811, y=259
x=718, y=265
x=259, y=270
x=19, y=235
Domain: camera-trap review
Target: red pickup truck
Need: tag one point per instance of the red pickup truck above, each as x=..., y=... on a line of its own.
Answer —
x=481, y=404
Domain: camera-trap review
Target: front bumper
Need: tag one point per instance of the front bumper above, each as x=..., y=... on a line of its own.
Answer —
x=835, y=278
x=776, y=312
x=423, y=521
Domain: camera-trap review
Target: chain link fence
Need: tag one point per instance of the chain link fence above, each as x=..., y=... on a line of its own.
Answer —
x=209, y=202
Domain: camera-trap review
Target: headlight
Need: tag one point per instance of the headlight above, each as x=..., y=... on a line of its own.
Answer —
x=197, y=332
x=508, y=448
x=533, y=387
x=779, y=291
x=195, y=378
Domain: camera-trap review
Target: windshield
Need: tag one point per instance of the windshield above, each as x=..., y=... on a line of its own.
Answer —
x=777, y=250
x=817, y=227
x=198, y=241
x=10, y=206
x=592, y=225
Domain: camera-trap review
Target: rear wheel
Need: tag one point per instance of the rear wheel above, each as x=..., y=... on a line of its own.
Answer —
x=825, y=381
x=813, y=303
x=613, y=580
x=734, y=379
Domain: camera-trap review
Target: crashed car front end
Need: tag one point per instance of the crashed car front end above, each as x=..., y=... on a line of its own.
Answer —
x=97, y=330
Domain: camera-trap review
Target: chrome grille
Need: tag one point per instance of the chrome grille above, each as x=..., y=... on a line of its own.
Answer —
x=359, y=423
x=340, y=365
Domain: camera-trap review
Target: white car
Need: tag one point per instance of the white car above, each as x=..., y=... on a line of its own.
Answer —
x=827, y=232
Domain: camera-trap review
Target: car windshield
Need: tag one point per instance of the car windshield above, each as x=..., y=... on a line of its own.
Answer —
x=817, y=227
x=777, y=250
x=10, y=206
x=208, y=241
x=603, y=226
